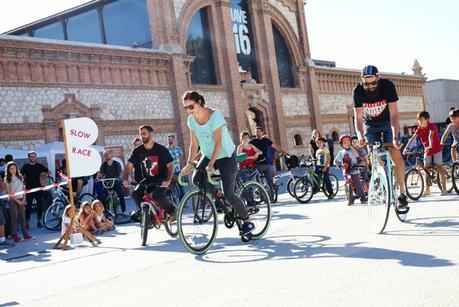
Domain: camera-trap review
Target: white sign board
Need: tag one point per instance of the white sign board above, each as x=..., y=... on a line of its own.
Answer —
x=80, y=134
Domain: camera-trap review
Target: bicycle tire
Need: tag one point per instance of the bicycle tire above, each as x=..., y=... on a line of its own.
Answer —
x=52, y=219
x=379, y=200
x=350, y=197
x=145, y=223
x=290, y=185
x=189, y=228
x=303, y=190
x=455, y=176
x=335, y=185
x=449, y=181
x=414, y=184
x=257, y=202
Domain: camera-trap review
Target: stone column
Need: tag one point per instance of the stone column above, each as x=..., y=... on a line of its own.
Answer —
x=231, y=69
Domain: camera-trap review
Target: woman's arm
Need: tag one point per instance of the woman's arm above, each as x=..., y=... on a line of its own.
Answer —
x=257, y=151
x=217, y=148
x=194, y=145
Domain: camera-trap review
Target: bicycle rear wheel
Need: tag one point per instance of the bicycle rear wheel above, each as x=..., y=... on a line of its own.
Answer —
x=53, y=215
x=197, y=222
x=379, y=200
x=258, y=205
x=303, y=190
x=414, y=184
x=145, y=222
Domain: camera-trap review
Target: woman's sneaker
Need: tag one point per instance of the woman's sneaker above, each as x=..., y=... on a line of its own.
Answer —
x=27, y=236
x=16, y=238
x=247, y=228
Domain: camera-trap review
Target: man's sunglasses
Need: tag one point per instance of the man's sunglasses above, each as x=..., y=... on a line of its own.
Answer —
x=190, y=107
x=367, y=84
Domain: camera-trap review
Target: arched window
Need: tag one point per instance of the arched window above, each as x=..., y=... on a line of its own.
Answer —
x=335, y=136
x=198, y=44
x=298, y=140
x=284, y=60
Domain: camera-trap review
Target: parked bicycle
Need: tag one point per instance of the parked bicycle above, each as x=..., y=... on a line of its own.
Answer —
x=52, y=218
x=111, y=202
x=308, y=185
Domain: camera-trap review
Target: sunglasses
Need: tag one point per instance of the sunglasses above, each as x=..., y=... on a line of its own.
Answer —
x=367, y=84
x=190, y=107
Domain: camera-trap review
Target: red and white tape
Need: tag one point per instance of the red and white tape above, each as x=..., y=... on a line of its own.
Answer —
x=48, y=187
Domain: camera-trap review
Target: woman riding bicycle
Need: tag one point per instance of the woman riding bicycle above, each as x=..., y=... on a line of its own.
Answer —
x=209, y=131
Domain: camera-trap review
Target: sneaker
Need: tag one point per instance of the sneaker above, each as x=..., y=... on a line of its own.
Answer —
x=426, y=193
x=6, y=244
x=247, y=228
x=27, y=236
x=330, y=196
x=15, y=238
x=363, y=200
x=402, y=201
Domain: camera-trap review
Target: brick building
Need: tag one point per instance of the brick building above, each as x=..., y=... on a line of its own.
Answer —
x=125, y=63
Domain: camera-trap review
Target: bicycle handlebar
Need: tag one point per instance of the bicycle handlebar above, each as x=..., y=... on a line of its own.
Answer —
x=184, y=184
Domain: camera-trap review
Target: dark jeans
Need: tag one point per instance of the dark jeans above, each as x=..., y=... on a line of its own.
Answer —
x=38, y=196
x=326, y=178
x=158, y=194
x=267, y=170
x=119, y=191
x=228, y=173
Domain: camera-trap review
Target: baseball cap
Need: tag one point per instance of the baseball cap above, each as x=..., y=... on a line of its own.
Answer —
x=369, y=70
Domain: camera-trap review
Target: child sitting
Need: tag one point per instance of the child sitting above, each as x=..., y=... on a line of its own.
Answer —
x=87, y=218
x=347, y=160
x=102, y=223
x=69, y=211
x=323, y=164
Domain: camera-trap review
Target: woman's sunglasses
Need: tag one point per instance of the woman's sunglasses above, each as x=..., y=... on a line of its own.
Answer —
x=190, y=107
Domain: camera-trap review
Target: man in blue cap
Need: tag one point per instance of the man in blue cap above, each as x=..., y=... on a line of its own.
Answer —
x=376, y=113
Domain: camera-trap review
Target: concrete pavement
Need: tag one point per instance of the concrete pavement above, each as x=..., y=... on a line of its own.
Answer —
x=317, y=254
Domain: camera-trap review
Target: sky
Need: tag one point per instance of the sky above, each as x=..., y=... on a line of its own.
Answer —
x=389, y=34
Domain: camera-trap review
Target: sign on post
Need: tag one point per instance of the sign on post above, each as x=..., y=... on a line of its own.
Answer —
x=82, y=159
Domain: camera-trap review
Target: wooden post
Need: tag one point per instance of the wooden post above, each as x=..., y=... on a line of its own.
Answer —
x=67, y=234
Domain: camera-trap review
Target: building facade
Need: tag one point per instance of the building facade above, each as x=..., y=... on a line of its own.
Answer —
x=441, y=96
x=126, y=63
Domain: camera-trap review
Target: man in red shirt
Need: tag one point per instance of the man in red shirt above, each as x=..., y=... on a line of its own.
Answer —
x=428, y=133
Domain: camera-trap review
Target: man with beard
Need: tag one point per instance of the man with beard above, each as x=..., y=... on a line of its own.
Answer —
x=156, y=168
x=376, y=113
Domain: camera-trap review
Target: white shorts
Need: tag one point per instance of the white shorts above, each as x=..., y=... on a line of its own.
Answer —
x=435, y=159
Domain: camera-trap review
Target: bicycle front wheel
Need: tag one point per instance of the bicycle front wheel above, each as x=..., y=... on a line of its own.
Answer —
x=145, y=223
x=449, y=180
x=53, y=215
x=197, y=222
x=334, y=183
x=378, y=200
x=258, y=204
x=414, y=184
x=455, y=176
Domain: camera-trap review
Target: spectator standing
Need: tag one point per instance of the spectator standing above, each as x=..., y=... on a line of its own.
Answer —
x=34, y=173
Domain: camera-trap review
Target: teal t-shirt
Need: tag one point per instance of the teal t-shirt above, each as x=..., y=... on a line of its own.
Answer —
x=205, y=133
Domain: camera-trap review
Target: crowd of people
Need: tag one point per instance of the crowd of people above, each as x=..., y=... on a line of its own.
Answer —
x=155, y=167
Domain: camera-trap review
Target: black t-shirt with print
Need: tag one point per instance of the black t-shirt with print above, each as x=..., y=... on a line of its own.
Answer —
x=263, y=145
x=152, y=162
x=32, y=174
x=375, y=106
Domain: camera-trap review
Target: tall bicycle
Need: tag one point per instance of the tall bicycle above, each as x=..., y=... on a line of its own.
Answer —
x=383, y=189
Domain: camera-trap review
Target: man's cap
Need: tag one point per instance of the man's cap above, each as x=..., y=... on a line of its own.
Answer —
x=369, y=70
